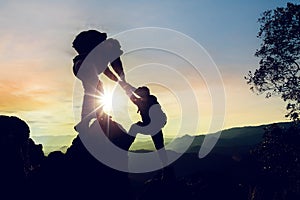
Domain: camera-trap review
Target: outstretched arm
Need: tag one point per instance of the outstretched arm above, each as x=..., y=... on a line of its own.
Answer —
x=110, y=74
x=129, y=91
x=113, y=53
x=127, y=87
x=118, y=68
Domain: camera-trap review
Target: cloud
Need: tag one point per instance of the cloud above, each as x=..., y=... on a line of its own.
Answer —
x=20, y=98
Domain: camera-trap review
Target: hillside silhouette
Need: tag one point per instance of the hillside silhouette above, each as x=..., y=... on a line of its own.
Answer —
x=239, y=136
x=230, y=171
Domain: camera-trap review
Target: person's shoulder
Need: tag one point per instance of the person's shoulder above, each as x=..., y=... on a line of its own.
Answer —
x=153, y=98
x=112, y=42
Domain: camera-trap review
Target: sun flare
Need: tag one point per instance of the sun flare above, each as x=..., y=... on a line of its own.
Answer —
x=105, y=101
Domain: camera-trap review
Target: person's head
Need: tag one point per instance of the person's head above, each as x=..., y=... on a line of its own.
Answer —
x=86, y=41
x=142, y=91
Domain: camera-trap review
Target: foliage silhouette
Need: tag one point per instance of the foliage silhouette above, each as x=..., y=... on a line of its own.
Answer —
x=20, y=157
x=278, y=157
x=279, y=71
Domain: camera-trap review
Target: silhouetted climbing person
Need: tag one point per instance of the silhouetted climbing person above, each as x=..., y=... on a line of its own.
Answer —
x=107, y=53
x=153, y=118
x=96, y=52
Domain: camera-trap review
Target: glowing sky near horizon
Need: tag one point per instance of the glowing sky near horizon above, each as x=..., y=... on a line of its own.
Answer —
x=36, y=79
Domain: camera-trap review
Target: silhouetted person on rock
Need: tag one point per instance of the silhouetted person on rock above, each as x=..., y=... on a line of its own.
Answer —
x=95, y=54
x=91, y=62
x=153, y=118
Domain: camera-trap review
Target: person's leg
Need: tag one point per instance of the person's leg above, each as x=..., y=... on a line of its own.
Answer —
x=158, y=141
x=135, y=129
x=168, y=173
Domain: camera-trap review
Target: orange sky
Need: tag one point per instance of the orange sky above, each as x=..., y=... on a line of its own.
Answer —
x=36, y=80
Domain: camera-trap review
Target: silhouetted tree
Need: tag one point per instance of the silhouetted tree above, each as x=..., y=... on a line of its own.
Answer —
x=279, y=71
x=279, y=158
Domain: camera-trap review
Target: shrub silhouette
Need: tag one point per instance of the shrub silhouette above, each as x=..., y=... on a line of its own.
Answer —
x=19, y=156
x=278, y=156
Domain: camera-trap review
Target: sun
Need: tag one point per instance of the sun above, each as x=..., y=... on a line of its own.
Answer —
x=105, y=101
x=111, y=101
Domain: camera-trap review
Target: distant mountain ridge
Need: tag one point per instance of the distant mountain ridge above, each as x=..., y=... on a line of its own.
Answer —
x=54, y=142
x=233, y=137
x=237, y=136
